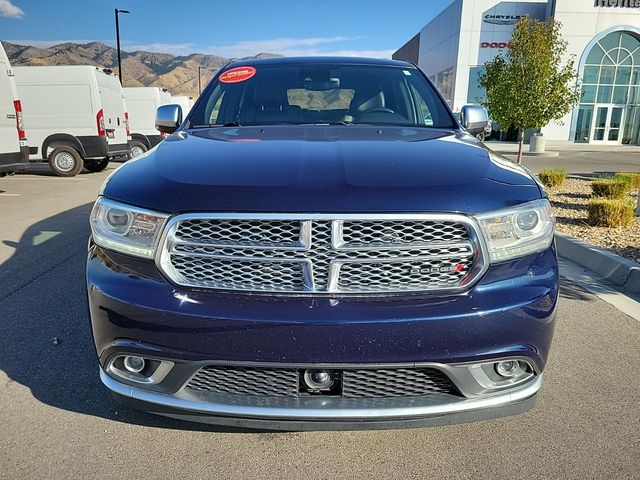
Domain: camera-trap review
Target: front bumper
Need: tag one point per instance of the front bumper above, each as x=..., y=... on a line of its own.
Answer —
x=326, y=413
x=509, y=314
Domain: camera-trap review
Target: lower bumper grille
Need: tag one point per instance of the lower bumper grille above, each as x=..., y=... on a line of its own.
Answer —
x=356, y=383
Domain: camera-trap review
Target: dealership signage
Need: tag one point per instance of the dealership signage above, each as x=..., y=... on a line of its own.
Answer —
x=502, y=19
x=494, y=45
x=618, y=3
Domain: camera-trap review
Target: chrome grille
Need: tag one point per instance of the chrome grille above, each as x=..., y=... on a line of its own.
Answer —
x=240, y=232
x=234, y=274
x=410, y=275
x=406, y=233
x=356, y=383
x=322, y=254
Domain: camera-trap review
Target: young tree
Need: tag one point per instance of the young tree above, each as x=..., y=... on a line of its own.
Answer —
x=531, y=85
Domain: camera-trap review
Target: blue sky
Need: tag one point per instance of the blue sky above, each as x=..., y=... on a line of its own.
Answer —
x=226, y=28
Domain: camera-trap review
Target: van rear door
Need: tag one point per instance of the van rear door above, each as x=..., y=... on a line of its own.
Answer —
x=13, y=150
x=111, y=98
x=8, y=130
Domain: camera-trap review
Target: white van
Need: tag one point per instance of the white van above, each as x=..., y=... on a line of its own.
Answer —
x=142, y=103
x=76, y=116
x=185, y=103
x=14, y=151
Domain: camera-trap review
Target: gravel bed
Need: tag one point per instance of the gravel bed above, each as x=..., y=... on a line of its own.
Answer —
x=570, y=204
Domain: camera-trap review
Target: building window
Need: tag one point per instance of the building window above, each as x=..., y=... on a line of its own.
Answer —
x=475, y=93
x=444, y=83
x=610, y=102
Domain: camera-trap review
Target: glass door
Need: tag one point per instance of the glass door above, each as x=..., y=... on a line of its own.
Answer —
x=583, y=126
x=615, y=124
x=631, y=129
x=607, y=124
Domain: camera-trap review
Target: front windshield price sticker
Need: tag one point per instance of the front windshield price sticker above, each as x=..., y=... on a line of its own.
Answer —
x=237, y=74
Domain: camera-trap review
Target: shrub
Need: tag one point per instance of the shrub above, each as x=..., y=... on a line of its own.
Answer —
x=609, y=188
x=632, y=179
x=606, y=212
x=552, y=177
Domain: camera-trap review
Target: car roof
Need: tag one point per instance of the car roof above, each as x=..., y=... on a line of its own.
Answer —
x=255, y=62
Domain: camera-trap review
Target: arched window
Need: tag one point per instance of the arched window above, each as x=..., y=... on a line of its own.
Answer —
x=610, y=104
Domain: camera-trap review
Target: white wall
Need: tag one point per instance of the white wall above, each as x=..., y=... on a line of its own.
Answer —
x=455, y=38
x=476, y=32
x=582, y=21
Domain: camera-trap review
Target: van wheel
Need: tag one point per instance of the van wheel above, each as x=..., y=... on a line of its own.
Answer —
x=97, y=165
x=137, y=149
x=480, y=136
x=65, y=162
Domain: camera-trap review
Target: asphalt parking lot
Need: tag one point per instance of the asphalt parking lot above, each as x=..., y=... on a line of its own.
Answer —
x=58, y=421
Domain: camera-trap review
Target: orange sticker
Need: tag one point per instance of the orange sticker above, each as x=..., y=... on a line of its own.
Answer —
x=237, y=74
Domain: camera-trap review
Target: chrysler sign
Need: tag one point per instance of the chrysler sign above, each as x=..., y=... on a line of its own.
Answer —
x=502, y=19
x=618, y=3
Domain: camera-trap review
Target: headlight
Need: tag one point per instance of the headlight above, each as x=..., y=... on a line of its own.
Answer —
x=518, y=231
x=126, y=229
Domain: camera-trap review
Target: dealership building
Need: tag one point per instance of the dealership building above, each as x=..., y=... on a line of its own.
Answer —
x=603, y=35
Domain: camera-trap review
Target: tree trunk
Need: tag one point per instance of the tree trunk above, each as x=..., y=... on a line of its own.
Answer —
x=520, y=144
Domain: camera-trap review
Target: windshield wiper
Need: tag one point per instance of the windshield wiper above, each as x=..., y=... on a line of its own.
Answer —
x=336, y=122
x=212, y=125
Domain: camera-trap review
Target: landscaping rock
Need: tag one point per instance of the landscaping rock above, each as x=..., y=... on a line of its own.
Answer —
x=570, y=205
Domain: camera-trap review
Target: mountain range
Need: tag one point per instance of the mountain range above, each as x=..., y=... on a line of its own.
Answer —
x=178, y=74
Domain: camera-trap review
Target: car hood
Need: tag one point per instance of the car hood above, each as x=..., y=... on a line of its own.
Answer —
x=320, y=168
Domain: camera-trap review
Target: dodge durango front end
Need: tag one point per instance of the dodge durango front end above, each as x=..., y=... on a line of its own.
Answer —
x=320, y=244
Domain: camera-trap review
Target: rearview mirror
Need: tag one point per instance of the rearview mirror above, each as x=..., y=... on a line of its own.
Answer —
x=319, y=86
x=168, y=118
x=474, y=118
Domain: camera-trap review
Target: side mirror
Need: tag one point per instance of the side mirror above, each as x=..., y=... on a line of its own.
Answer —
x=168, y=118
x=474, y=118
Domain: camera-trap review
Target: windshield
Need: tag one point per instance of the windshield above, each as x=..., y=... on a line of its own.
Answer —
x=321, y=94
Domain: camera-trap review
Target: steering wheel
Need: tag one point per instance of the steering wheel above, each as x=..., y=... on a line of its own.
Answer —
x=375, y=110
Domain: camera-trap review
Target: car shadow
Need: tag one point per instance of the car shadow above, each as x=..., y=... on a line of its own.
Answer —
x=45, y=341
x=572, y=291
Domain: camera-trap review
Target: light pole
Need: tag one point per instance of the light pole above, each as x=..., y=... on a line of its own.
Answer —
x=118, y=42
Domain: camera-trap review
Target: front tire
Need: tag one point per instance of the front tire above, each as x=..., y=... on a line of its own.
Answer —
x=137, y=148
x=480, y=136
x=65, y=162
x=96, y=166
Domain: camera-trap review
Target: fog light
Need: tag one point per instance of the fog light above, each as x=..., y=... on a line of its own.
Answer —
x=508, y=368
x=134, y=364
x=318, y=379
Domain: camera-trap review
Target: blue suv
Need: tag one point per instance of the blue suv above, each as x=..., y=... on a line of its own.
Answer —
x=320, y=244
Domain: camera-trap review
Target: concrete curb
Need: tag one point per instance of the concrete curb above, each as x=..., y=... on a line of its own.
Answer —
x=618, y=270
